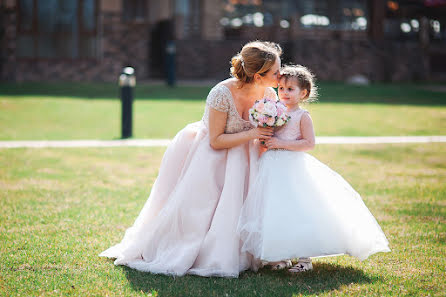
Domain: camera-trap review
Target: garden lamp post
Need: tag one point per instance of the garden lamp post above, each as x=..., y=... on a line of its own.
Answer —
x=127, y=82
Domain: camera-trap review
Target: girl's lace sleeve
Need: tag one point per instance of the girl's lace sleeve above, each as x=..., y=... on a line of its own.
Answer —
x=218, y=99
x=270, y=93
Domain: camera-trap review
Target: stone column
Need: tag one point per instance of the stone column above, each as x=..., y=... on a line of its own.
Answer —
x=160, y=10
x=111, y=6
x=295, y=29
x=424, y=45
x=377, y=11
x=212, y=12
x=424, y=32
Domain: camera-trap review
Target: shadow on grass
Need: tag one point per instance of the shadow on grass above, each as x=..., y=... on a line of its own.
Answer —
x=324, y=278
x=329, y=92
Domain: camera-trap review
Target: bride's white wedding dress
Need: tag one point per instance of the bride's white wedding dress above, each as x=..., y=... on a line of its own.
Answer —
x=189, y=222
x=299, y=207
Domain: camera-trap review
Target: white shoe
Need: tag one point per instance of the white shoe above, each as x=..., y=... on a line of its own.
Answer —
x=304, y=264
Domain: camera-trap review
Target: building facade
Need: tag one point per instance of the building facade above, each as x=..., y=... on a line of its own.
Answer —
x=92, y=40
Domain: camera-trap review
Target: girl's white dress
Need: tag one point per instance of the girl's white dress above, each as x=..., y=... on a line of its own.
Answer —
x=299, y=207
x=188, y=224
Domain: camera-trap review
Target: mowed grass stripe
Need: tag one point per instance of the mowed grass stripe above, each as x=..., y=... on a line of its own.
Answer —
x=59, y=111
x=65, y=119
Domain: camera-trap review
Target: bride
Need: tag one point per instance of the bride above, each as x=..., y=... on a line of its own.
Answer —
x=188, y=224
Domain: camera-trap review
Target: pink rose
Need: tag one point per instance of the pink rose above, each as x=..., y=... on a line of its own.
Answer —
x=270, y=122
x=260, y=106
x=262, y=120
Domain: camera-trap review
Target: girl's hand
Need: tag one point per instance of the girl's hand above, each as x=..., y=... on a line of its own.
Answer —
x=273, y=143
x=262, y=150
x=262, y=133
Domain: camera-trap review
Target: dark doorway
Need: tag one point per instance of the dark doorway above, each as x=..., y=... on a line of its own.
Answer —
x=161, y=33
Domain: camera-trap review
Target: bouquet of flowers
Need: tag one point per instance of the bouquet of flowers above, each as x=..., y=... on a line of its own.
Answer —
x=268, y=112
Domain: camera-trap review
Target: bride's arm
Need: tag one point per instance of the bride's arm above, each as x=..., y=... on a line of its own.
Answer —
x=219, y=140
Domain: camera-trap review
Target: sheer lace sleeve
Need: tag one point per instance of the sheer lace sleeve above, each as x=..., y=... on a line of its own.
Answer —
x=270, y=93
x=218, y=99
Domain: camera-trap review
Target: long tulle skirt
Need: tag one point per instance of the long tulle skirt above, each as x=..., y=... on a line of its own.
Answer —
x=188, y=224
x=299, y=207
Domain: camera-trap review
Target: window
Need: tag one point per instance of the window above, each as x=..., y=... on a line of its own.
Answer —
x=134, y=10
x=415, y=21
x=189, y=17
x=57, y=29
x=333, y=14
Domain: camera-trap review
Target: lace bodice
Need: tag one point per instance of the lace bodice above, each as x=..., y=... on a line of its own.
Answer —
x=220, y=98
x=291, y=130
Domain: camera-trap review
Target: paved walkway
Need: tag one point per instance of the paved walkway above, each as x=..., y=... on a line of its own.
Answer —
x=165, y=142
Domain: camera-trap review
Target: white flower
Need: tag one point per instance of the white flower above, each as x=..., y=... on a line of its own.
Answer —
x=280, y=122
x=270, y=109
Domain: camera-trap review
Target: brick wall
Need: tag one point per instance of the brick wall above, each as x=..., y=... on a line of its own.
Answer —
x=123, y=45
x=329, y=59
x=119, y=45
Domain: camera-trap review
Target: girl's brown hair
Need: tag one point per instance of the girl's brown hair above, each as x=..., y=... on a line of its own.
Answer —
x=304, y=77
x=255, y=57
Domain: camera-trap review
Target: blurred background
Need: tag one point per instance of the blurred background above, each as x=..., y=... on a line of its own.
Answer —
x=92, y=40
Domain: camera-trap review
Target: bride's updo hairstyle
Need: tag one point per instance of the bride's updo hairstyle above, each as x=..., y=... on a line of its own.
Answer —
x=255, y=57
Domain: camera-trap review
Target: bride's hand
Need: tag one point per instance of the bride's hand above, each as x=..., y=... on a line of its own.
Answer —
x=262, y=132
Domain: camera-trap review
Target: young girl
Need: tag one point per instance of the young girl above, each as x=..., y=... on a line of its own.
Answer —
x=298, y=207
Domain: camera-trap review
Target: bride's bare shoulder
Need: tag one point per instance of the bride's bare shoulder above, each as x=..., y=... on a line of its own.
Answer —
x=230, y=83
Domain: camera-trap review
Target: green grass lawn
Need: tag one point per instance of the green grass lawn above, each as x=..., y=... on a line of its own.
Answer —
x=34, y=111
x=62, y=207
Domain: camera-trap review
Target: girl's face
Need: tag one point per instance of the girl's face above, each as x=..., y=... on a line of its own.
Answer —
x=271, y=77
x=289, y=92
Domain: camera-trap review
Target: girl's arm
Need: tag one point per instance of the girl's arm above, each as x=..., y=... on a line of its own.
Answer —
x=306, y=143
x=219, y=140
